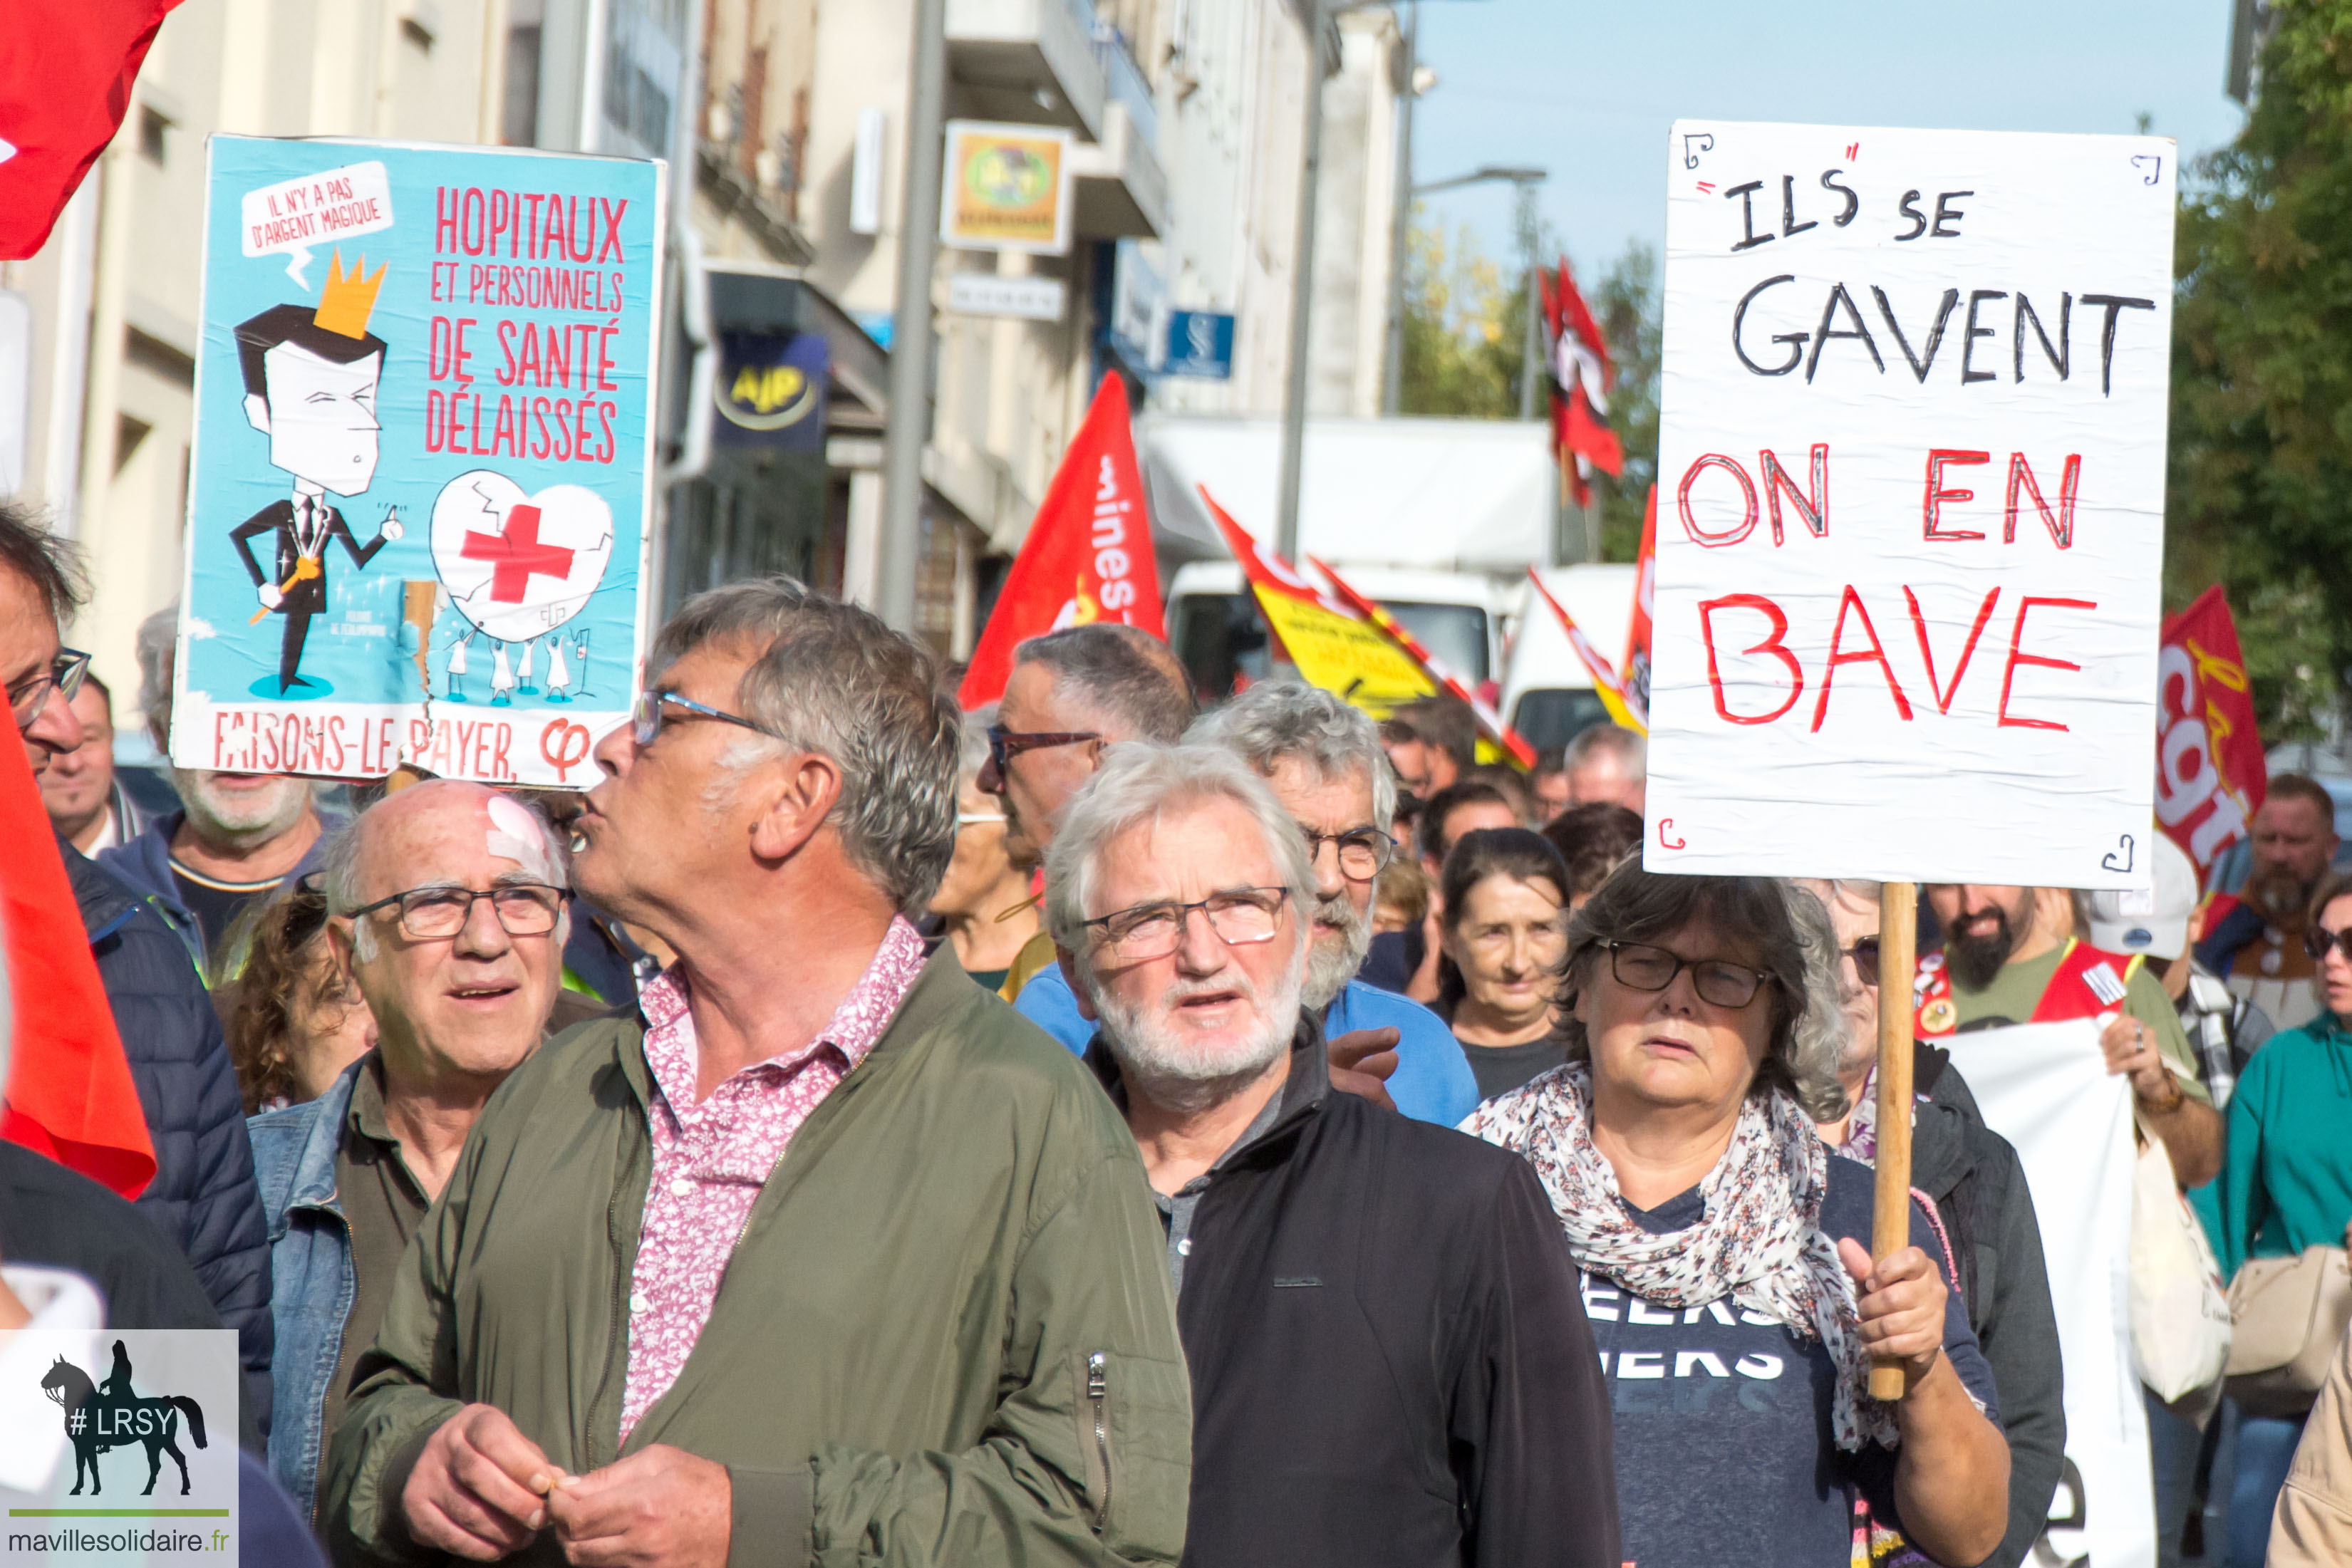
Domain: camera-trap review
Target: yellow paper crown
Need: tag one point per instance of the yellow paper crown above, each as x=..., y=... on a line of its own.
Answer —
x=347, y=297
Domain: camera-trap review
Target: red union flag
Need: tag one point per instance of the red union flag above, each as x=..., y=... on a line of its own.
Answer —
x=1088, y=554
x=65, y=81
x=1637, y=634
x=2210, y=770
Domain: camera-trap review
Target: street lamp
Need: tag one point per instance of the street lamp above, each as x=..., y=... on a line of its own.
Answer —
x=1526, y=179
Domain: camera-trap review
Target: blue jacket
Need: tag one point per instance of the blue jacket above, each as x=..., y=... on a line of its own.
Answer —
x=313, y=1282
x=145, y=864
x=1432, y=1082
x=202, y=1196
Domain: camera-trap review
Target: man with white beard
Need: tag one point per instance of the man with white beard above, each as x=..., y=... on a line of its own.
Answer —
x=1389, y=1356
x=1324, y=763
x=238, y=837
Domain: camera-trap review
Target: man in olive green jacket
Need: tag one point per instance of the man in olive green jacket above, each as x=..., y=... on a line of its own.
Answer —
x=942, y=1332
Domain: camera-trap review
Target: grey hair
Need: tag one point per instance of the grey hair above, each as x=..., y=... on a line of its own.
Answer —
x=339, y=869
x=831, y=678
x=1789, y=927
x=157, y=641
x=1128, y=679
x=1632, y=752
x=1138, y=784
x=1275, y=719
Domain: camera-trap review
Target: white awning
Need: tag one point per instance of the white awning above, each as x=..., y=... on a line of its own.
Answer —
x=1451, y=494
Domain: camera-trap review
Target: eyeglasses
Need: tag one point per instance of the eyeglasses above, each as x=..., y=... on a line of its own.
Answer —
x=1717, y=980
x=1364, y=852
x=1005, y=745
x=1242, y=918
x=1864, y=954
x=2319, y=941
x=437, y=914
x=645, y=718
x=29, y=696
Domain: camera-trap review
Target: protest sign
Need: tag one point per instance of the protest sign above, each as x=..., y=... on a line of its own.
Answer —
x=1911, y=472
x=2046, y=1089
x=2211, y=773
x=422, y=470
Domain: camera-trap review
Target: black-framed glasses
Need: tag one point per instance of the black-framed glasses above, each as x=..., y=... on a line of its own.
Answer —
x=1364, y=852
x=1717, y=980
x=1005, y=745
x=1241, y=916
x=64, y=675
x=1864, y=954
x=645, y=718
x=2318, y=941
x=437, y=914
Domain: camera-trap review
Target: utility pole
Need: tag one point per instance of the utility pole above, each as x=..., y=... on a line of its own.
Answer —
x=909, y=427
x=1401, y=223
x=1302, y=292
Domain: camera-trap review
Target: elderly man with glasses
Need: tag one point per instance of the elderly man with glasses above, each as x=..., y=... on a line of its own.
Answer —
x=447, y=911
x=819, y=1254
x=1389, y=1360
x=202, y=1196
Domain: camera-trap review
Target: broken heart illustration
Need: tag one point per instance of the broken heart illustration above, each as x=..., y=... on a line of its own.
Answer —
x=517, y=566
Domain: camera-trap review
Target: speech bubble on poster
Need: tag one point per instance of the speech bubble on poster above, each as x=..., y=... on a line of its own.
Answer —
x=1911, y=500
x=289, y=216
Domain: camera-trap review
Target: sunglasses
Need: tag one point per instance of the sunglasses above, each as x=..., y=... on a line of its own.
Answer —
x=1005, y=745
x=2318, y=941
x=1864, y=955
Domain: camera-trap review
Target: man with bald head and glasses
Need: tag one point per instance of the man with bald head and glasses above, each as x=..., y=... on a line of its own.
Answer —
x=447, y=909
x=1389, y=1360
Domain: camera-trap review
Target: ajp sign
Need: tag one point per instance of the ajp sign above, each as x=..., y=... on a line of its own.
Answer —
x=1910, y=524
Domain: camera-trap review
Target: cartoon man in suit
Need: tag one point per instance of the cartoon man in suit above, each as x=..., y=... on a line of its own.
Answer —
x=310, y=379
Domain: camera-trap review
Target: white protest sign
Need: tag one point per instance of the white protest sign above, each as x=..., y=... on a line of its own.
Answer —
x=2046, y=1089
x=1911, y=502
x=292, y=215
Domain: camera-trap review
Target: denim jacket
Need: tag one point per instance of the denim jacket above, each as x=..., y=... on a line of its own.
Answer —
x=312, y=1280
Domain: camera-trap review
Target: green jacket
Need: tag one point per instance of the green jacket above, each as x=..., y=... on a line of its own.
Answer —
x=2287, y=1171
x=946, y=1334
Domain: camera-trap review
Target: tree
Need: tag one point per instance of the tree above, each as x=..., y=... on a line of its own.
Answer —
x=1465, y=340
x=2260, y=494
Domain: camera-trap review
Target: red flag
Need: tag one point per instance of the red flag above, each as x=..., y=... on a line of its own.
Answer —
x=1582, y=377
x=2211, y=773
x=1088, y=554
x=1637, y=634
x=1509, y=739
x=69, y=1094
x=65, y=82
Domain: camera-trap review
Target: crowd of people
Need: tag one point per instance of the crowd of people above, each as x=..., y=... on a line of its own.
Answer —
x=1102, y=1128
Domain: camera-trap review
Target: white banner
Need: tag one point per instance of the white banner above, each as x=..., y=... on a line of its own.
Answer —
x=1911, y=503
x=2046, y=1089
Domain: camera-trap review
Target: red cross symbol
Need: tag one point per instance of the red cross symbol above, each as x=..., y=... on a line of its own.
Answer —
x=518, y=555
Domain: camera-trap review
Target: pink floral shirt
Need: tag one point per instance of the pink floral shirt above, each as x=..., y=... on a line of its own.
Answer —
x=710, y=1160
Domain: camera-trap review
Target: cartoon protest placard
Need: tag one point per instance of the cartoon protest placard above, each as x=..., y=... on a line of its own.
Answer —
x=1911, y=497
x=421, y=478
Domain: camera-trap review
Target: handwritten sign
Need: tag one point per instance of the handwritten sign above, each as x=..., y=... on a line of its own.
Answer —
x=420, y=483
x=1910, y=505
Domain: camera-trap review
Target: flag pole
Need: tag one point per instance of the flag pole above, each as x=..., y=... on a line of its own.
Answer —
x=1890, y=1228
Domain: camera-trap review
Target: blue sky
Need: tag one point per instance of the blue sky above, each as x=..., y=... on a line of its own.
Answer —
x=1588, y=91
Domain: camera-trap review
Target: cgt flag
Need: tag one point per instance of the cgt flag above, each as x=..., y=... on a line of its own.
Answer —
x=1333, y=647
x=1606, y=682
x=1088, y=555
x=1637, y=634
x=2211, y=773
x=1500, y=733
x=70, y=1093
x=65, y=82
x=1581, y=376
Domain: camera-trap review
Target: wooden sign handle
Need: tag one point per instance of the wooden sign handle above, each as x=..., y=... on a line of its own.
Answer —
x=1890, y=1228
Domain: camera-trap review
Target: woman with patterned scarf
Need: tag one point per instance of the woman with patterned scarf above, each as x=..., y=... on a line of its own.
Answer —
x=1725, y=1256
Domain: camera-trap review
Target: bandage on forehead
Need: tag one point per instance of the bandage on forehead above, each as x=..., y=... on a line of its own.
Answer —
x=516, y=835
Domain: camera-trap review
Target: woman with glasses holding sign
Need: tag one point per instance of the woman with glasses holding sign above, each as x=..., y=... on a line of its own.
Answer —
x=1725, y=1259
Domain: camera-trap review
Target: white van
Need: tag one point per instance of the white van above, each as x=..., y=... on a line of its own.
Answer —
x=1215, y=625
x=1548, y=693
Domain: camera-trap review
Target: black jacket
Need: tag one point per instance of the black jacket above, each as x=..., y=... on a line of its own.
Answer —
x=53, y=1218
x=204, y=1198
x=1390, y=1357
x=1980, y=1189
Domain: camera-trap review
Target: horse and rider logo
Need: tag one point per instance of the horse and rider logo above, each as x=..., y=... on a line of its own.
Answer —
x=110, y=1414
